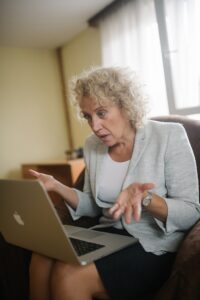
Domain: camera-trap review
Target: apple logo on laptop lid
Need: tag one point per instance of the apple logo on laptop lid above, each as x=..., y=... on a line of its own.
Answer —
x=18, y=218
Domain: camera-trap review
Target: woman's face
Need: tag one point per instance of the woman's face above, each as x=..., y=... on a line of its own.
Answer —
x=108, y=122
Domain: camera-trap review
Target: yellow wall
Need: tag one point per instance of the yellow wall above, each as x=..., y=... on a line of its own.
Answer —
x=32, y=118
x=79, y=54
x=32, y=115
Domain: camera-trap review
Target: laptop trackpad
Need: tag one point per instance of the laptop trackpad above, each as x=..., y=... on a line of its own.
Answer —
x=87, y=234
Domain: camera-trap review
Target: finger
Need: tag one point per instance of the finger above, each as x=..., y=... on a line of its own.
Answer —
x=120, y=203
x=116, y=211
x=148, y=186
x=128, y=214
x=137, y=212
x=122, y=199
x=113, y=208
x=34, y=173
x=118, y=214
x=136, y=206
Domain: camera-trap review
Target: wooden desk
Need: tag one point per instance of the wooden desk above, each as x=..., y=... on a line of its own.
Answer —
x=65, y=171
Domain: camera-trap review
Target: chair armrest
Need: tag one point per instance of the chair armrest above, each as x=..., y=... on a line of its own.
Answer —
x=184, y=281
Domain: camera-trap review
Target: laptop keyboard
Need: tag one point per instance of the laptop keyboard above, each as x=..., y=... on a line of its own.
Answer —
x=82, y=247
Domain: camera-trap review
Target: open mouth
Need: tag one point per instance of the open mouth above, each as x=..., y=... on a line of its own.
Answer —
x=104, y=137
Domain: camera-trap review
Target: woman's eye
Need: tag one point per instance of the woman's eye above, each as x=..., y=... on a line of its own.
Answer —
x=101, y=113
x=85, y=116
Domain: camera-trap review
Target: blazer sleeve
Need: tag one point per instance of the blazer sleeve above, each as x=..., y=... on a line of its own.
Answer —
x=181, y=182
x=87, y=205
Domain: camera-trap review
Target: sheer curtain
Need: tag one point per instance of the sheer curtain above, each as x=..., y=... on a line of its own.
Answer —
x=130, y=37
x=160, y=40
x=183, y=31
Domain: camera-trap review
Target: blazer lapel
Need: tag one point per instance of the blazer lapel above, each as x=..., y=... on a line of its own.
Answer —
x=139, y=148
x=102, y=150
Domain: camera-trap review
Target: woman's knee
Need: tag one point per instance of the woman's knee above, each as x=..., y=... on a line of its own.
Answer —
x=39, y=262
x=70, y=279
x=62, y=271
x=63, y=280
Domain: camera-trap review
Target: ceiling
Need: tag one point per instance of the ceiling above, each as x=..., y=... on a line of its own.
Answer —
x=44, y=23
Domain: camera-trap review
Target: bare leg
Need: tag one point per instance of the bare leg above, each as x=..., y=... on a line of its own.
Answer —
x=70, y=282
x=40, y=272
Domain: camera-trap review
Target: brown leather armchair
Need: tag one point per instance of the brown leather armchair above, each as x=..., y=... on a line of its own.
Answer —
x=184, y=281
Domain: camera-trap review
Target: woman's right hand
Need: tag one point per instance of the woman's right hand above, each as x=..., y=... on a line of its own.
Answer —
x=48, y=181
x=53, y=185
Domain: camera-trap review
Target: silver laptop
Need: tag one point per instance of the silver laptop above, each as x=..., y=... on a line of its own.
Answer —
x=28, y=219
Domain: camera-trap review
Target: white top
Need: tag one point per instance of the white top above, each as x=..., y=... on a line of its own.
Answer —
x=113, y=174
x=112, y=179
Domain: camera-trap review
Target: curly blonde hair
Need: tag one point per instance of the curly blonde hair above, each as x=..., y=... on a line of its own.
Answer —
x=114, y=85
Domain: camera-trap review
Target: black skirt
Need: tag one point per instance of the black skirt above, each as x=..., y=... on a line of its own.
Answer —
x=133, y=273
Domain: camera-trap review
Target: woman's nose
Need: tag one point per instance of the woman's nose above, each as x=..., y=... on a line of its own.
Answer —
x=95, y=124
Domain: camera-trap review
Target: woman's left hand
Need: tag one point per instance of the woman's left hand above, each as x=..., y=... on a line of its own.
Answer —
x=129, y=202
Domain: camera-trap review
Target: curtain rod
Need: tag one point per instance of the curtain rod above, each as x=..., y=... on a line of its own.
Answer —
x=94, y=21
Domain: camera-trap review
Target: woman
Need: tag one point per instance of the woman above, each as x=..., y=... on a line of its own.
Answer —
x=140, y=178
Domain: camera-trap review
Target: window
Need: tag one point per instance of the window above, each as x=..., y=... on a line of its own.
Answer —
x=182, y=52
x=158, y=39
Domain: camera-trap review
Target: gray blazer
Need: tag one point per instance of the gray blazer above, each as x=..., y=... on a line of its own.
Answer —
x=162, y=154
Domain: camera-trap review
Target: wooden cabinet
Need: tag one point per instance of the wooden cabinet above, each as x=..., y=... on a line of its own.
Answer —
x=65, y=171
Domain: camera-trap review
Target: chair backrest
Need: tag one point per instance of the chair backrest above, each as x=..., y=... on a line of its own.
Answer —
x=192, y=128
